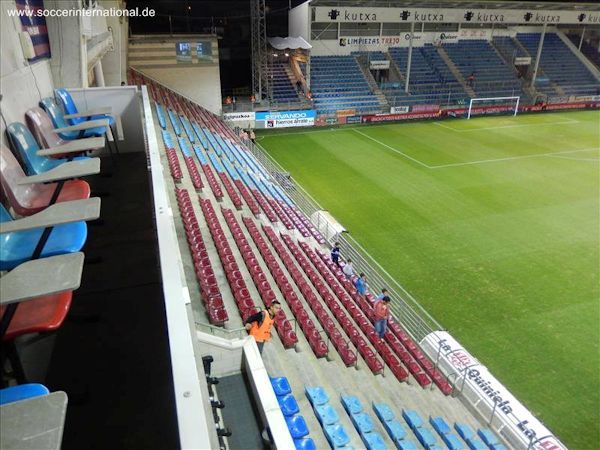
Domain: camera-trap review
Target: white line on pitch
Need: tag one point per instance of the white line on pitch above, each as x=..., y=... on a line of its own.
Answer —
x=575, y=159
x=440, y=124
x=511, y=158
x=392, y=149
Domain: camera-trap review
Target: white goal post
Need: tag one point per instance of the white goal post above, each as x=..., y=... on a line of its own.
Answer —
x=496, y=104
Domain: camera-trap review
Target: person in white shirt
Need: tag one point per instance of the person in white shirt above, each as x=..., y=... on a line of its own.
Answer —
x=348, y=269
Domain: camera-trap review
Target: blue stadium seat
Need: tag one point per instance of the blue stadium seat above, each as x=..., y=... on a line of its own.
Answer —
x=336, y=435
x=297, y=426
x=305, y=444
x=59, y=121
x=351, y=404
x=395, y=429
x=362, y=422
x=439, y=425
x=488, y=437
x=281, y=386
x=425, y=437
x=316, y=395
x=452, y=441
x=413, y=419
x=17, y=247
x=22, y=392
x=373, y=441
x=70, y=108
x=326, y=414
x=464, y=430
x=28, y=147
x=475, y=444
x=288, y=405
x=406, y=445
x=384, y=412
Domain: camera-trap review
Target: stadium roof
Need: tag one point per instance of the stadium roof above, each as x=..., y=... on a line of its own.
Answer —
x=559, y=6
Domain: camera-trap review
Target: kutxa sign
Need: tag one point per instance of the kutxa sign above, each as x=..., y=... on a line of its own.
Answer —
x=448, y=15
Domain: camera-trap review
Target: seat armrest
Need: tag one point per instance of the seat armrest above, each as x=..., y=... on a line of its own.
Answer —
x=75, y=146
x=91, y=112
x=57, y=214
x=42, y=277
x=66, y=171
x=84, y=126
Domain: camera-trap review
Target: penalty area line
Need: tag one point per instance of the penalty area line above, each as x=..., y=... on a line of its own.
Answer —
x=392, y=149
x=512, y=158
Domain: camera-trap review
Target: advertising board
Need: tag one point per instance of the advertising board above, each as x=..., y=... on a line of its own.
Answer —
x=285, y=119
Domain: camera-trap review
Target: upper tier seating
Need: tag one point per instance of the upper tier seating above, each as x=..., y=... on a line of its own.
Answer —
x=431, y=81
x=493, y=78
x=587, y=49
x=560, y=65
x=338, y=83
x=279, y=80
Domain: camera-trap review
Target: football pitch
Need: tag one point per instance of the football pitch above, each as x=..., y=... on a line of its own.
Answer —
x=493, y=225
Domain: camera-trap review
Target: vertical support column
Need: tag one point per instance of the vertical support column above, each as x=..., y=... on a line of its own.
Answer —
x=581, y=40
x=410, y=48
x=99, y=74
x=538, y=56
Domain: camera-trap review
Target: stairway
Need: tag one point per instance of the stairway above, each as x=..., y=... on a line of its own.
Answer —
x=361, y=60
x=456, y=72
x=394, y=69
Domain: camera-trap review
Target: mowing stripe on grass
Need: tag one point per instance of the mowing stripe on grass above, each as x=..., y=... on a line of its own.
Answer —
x=565, y=122
x=393, y=149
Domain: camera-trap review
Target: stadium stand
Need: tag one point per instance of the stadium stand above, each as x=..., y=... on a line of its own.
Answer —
x=338, y=83
x=566, y=73
x=586, y=48
x=281, y=83
x=431, y=80
x=493, y=78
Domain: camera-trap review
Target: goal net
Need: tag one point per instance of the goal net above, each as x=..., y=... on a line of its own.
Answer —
x=493, y=105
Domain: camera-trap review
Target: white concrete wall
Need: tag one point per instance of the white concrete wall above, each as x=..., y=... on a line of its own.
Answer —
x=299, y=21
x=114, y=62
x=201, y=84
x=23, y=84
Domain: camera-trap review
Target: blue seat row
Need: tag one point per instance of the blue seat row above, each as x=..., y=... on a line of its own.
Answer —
x=394, y=428
x=289, y=407
x=363, y=423
x=336, y=434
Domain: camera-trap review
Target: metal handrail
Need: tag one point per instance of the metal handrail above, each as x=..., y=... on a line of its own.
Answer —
x=237, y=333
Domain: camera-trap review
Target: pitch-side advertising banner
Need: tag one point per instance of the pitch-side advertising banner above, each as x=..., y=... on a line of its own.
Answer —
x=454, y=15
x=454, y=359
x=283, y=119
x=239, y=116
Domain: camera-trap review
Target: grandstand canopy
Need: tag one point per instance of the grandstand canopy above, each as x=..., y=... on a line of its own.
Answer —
x=292, y=43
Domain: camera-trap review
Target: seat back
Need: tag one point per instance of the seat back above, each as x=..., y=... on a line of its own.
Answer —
x=26, y=145
x=5, y=215
x=10, y=174
x=42, y=128
x=68, y=105
x=58, y=118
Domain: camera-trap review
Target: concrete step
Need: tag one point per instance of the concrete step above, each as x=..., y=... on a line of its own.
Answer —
x=455, y=71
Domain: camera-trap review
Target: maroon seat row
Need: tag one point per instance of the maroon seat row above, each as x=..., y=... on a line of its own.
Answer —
x=174, y=165
x=215, y=187
x=282, y=324
x=252, y=204
x=209, y=289
x=347, y=355
x=233, y=195
x=234, y=277
x=404, y=346
x=316, y=342
x=371, y=359
x=194, y=174
x=358, y=315
x=264, y=204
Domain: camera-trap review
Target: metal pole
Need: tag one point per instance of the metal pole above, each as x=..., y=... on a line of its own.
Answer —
x=581, y=40
x=410, y=46
x=538, y=56
x=493, y=412
x=437, y=359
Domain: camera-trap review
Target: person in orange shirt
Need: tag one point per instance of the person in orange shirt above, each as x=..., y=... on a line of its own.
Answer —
x=381, y=313
x=259, y=325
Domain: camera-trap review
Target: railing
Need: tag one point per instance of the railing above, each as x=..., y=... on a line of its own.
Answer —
x=418, y=322
x=237, y=333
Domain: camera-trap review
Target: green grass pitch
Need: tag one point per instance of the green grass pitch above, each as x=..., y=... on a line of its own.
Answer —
x=493, y=225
